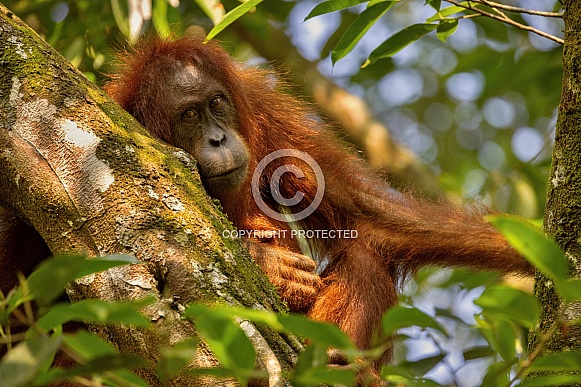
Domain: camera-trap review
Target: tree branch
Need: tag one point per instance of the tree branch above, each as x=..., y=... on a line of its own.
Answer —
x=505, y=19
x=510, y=8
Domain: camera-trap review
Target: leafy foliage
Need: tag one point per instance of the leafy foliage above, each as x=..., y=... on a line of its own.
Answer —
x=414, y=92
x=30, y=354
x=504, y=317
x=511, y=71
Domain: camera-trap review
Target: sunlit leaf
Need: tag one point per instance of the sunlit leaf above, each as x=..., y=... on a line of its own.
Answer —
x=212, y=8
x=331, y=6
x=98, y=311
x=445, y=12
x=232, y=16
x=500, y=335
x=258, y=316
x=325, y=376
x=557, y=362
x=468, y=279
x=434, y=4
x=446, y=28
x=510, y=302
x=88, y=345
x=399, y=41
x=48, y=282
x=159, y=18
x=497, y=375
x=358, y=28
x=324, y=333
x=534, y=245
x=526, y=197
x=570, y=290
x=550, y=380
x=121, y=19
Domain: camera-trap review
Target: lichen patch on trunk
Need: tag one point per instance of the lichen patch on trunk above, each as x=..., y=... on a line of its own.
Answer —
x=68, y=148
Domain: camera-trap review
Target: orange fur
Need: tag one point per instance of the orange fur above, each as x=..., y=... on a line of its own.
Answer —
x=397, y=234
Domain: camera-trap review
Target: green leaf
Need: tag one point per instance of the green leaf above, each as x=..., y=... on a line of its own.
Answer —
x=510, y=302
x=13, y=300
x=400, y=317
x=319, y=332
x=325, y=376
x=212, y=8
x=399, y=41
x=358, y=28
x=570, y=290
x=228, y=373
x=258, y=316
x=88, y=345
x=446, y=28
x=478, y=352
x=48, y=281
x=443, y=13
x=108, y=363
x=125, y=378
x=232, y=16
x=99, y=365
x=500, y=335
x=413, y=369
x=332, y=6
x=20, y=366
x=159, y=18
x=434, y=4
x=550, y=380
x=469, y=279
x=534, y=245
x=175, y=358
x=497, y=375
x=228, y=341
x=314, y=357
x=557, y=362
x=96, y=311
x=121, y=19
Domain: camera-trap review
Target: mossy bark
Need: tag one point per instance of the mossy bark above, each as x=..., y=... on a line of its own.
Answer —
x=90, y=179
x=563, y=210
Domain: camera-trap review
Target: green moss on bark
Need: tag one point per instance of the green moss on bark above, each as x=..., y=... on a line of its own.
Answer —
x=563, y=209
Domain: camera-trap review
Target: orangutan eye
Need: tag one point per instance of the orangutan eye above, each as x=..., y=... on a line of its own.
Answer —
x=190, y=115
x=217, y=102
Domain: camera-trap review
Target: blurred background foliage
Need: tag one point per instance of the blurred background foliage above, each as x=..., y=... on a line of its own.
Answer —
x=479, y=109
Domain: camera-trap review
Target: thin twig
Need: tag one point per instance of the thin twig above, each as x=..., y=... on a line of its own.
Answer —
x=540, y=345
x=506, y=20
x=510, y=8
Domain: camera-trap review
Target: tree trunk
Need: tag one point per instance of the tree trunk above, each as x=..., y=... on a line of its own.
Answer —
x=563, y=210
x=90, y=179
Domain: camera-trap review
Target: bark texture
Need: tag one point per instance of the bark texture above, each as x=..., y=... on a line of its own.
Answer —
x=563, y=210
x=90, y=179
